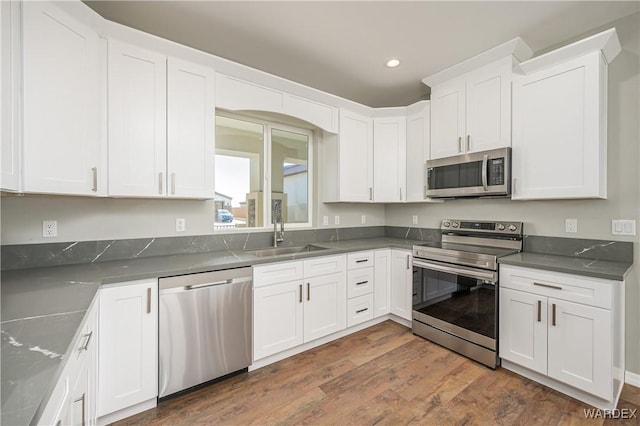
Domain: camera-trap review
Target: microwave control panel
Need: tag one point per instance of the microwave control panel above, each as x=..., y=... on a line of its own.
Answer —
x=496, y=171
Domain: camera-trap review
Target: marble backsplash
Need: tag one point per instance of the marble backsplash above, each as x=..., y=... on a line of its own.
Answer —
x=75, y=252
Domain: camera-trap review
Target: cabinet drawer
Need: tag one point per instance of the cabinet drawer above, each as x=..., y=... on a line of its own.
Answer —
x=359, y=309
x=362, y=259
x=360, y=282
x=277, y=273
x=324, y=265
x=573, y=288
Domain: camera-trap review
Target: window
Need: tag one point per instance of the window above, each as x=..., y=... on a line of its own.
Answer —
x=258, y=162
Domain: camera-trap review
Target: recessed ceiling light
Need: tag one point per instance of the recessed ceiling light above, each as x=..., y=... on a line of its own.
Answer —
x=392, y=63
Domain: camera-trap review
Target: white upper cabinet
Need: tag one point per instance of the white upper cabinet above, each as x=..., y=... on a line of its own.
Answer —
x=10, y=82
x=137, y=121
x=61, y=100
x=347, y=160
x=473, y=112
x=161, y=125
x=560, y=122
x=389, y=159
x=471, y=101
x=418, y=146
x=190, y=129
x=237, y=94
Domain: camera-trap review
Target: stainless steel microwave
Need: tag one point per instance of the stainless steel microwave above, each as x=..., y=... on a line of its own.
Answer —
x=476, y=174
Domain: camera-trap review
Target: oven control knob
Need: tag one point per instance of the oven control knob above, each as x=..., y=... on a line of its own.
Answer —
x=455, y=224
x=512, y=228
x=500, y=227
x=446, y=224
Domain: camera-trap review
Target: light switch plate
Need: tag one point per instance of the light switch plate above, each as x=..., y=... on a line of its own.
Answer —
x=414, y=220
x=623, y=227
x=336, y=220
x=363, y=219
x=325, y=220
x=181, y=224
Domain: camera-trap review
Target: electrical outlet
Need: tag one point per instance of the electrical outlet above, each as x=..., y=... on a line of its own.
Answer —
x=623, y=227
x=325, y=220
x=181, y=224
x=49, y=228
x=571, y=225
x=363, y=219
x=414, y=220
x=336, y=220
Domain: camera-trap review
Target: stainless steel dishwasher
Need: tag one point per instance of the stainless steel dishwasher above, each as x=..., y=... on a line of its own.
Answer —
x=205, y=327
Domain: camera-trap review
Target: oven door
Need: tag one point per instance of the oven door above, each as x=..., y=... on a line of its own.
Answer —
x=457, y=300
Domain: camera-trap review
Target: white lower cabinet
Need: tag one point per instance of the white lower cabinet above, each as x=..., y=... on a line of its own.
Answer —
x=382, y=283
x=310, y=304
x=401, y=283
x=564, y=330
x=73, y=400
x=360, y=287
x=128, y=355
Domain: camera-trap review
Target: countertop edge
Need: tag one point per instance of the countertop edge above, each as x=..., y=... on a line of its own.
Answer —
x=515, y=260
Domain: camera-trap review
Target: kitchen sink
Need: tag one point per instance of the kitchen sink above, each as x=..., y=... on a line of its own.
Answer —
x=278, y=251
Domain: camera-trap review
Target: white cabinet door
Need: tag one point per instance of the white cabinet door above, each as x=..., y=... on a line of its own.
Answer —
x=325, y=305
x=128, y=350
x=559, y=131
x=190, y=129
x=277, y=318
x=382, y=283
x=389, y=159
x=418, y=146
x=355, y=157
x=137, y=121
x=401, y=283
x=488, y=102
x=61, y=101
x=10, y=82
x=523, y=329
x=580, y=347
x=447, y=119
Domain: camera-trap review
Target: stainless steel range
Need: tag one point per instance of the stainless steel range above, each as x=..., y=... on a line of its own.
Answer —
x=455, y=283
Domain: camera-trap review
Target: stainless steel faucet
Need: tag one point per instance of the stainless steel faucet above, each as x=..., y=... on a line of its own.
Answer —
x=276, y=214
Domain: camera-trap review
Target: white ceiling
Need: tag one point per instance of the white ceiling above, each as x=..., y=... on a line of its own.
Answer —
x=341, y=46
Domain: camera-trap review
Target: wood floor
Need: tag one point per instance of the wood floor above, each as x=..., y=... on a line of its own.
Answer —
x=381, y=375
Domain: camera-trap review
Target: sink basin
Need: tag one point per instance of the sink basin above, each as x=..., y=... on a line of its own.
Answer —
x=278, y=251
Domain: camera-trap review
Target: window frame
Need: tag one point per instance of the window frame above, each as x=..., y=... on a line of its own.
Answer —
x=267, y=126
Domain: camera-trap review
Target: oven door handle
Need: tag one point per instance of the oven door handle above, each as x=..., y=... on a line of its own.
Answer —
x=490, y=276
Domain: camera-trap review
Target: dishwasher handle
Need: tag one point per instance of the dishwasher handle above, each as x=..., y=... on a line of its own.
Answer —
x=204, y=280
x=229, y=281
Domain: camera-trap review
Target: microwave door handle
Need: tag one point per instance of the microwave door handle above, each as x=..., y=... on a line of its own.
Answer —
x=485, y=161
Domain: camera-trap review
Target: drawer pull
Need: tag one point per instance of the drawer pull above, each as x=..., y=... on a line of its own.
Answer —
x=553, y=314
x=362, y=260
x=300, y=293
x=539, y=311
x=359, y=311
x=86, y=343
x=308, y=291
x=362, y=282
x=555, y=287
x=149, y=300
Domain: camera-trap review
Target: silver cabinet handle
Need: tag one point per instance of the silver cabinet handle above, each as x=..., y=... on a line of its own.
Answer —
x=485, y=162
x=539, y=311
x=515, y=185
x=553, y=315
x=362, y=283
x=173, y=184
x=424, y=194
x=308, y=291
x=94, y=170
x=400, y=194
x=359, y=311
x=85, y=347
x=408, y=260
x=370, y=194
x=555, y=287
x=84, y=411
x=459, y=143
x=468, y=142
x=160, y=185
x=149, y=300
x=300, y=293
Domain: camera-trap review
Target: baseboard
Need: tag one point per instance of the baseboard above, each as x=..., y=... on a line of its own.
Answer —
x=127, y=412
x=632, y=378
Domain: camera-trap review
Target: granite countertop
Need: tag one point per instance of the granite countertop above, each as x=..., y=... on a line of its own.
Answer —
x=42, y=310
x=605, y=269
